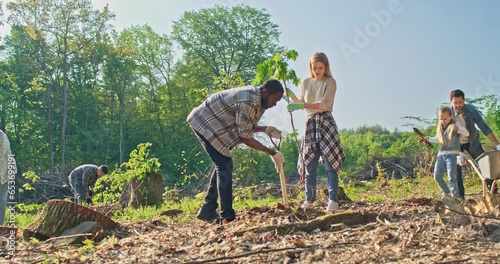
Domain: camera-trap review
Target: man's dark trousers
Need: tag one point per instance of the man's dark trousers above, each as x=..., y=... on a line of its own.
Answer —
x=221, y=183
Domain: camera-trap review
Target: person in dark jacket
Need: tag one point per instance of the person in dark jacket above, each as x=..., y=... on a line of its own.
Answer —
x=468, y=116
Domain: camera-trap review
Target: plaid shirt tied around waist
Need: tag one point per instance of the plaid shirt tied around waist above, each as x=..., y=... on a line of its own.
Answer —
x=327, y=135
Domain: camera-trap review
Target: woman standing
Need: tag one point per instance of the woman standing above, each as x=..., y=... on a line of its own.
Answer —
x=322, y=139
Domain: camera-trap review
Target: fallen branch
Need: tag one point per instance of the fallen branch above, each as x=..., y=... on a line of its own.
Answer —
x=323, y=223
x=454, y=261
x=242, y=255
x=466, y=214
x=354, y=229
x=387, y=223
x=257, y=252
x=436, y=236
x=142, y=235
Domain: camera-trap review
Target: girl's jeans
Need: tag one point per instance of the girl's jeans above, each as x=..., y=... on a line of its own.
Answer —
x=448, y=161
x=311, y=175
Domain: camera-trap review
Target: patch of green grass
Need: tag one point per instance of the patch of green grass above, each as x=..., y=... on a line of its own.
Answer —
x=88, y=246
x=360, y=190
x=420, y=186
x=24, y=220
x=25, y=214
x=473, y=184
x=376, y=191
x=249, y=203
x=134, y=214
x=376, y=198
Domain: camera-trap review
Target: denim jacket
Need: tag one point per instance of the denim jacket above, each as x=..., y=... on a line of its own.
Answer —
x=472, y=118
x=451, y=145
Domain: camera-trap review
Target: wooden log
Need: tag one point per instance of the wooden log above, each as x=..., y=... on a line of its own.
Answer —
x=323, y=223
x=59, y=215
x=144, y=192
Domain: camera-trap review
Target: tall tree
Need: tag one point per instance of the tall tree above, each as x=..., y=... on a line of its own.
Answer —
x=227, y=39
x=119, y=79
x=153, y=55
x=60, y=29
x=27, y=114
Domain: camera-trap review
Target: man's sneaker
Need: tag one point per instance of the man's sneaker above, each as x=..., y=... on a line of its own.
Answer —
x=306, y=205
x=332, y=206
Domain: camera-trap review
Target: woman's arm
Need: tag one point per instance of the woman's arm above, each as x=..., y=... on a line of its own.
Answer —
x=326, y=102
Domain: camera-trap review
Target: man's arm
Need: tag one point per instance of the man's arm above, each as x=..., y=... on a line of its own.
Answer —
x=478, y=120
x=86, y=178
x=259, y=129
x=493, y=139
x=251, y=142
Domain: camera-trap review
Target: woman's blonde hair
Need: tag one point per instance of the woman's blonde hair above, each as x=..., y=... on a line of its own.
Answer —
x=451, y=127
x=321, y=57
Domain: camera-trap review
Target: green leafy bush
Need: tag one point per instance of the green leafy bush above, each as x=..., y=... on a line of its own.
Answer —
x=141, y=163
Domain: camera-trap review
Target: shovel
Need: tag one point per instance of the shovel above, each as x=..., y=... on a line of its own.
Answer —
x=421, y=136
x=282, y=174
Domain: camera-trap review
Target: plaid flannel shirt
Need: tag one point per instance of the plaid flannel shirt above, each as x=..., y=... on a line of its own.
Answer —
x=86, y=173
x=226, y=116
x=327, y=136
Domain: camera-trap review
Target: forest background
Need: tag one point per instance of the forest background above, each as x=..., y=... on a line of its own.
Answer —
x=73, y=90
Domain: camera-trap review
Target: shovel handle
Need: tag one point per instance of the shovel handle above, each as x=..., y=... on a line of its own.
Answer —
x=283, y=184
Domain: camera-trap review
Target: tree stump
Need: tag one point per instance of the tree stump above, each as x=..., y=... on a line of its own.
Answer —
x=59, y=215
x=144, y=192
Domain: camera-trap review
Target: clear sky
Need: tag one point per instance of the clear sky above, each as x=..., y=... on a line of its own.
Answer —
x=391, y=58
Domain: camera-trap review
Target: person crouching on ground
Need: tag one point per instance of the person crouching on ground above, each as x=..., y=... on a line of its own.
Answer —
x=83, y=178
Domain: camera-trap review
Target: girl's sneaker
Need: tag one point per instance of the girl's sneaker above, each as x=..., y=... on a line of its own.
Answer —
x=332, y=206
x=306, y=205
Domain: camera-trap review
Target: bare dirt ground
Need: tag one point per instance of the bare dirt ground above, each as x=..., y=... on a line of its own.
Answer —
x=405, y=231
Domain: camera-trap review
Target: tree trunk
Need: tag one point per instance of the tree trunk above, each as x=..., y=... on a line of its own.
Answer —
x=50, y=128
x=121, y=118
x=65, y=105
x=142, y=193
x=59, y=215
